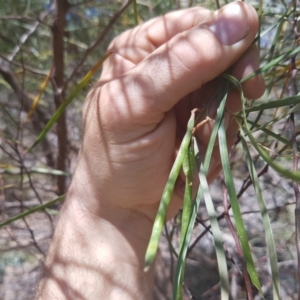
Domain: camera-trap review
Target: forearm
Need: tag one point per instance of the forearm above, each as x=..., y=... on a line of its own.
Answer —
x=107, y=263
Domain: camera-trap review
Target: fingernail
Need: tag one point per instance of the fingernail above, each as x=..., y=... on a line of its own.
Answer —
x=231, y=25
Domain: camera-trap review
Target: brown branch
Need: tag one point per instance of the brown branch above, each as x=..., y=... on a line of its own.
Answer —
x=58, y=32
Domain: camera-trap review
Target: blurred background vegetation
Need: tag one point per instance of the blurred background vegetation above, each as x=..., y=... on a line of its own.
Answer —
x=46, y=48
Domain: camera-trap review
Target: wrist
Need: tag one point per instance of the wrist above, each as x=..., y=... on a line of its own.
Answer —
x=91, y=252
x=125, y=232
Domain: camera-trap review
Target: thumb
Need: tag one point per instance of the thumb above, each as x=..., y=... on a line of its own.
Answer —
x=181, y=65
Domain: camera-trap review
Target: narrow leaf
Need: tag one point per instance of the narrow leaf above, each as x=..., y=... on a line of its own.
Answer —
x=221, y=258
x=32, y=210
x=38, y=97
x=271, y=64
x=266, y=221
x=274, y=104
x=235, y=207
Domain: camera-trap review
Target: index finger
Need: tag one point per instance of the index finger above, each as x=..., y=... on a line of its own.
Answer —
x=132, y=46
x=137, y=43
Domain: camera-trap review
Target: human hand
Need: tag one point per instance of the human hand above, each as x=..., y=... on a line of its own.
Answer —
x=136, y=115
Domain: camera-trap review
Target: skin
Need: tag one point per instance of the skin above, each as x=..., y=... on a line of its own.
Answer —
x=134, y=120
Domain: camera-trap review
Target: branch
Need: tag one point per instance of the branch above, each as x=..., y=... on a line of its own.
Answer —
x=58, y=32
